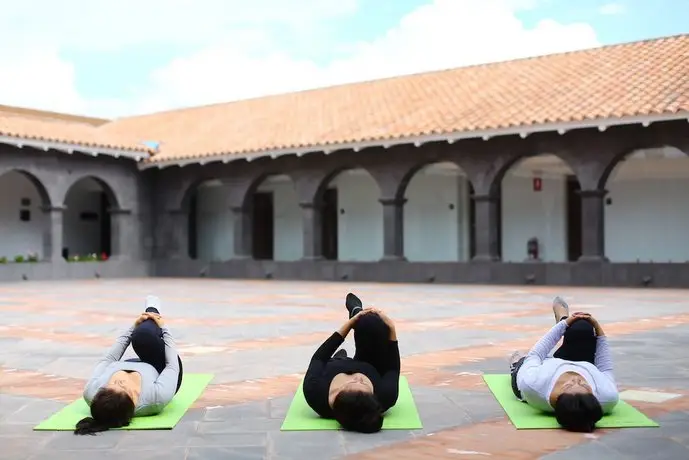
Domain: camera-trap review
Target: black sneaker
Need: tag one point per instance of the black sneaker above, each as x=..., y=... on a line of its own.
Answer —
x=353, y=304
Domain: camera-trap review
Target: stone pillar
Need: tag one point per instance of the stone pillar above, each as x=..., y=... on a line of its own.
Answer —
x=124, y=238
x=487, y=232
x=593, y=225
x=53, y=234
x=312, y=230
x=393, y=228
x=242, y=232
x=178, y=234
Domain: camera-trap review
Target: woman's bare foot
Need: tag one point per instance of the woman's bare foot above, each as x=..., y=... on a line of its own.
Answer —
x=560, y=308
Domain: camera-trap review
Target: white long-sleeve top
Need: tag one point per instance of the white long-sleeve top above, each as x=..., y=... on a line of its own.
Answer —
x=157, y=390
x=537, y=376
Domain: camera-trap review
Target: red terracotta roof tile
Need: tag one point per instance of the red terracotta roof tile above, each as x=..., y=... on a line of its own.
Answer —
x=34, y=125
x=634, y=79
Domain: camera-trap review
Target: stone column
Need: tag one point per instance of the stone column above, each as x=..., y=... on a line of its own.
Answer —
x=124, y=238
x=242, y=232
x=393, y=228
x=487, y=232
x=593, y=225
x=178, y=232
x=312, y=230
x=53, y=234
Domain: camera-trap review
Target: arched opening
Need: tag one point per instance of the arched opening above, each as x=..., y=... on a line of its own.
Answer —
x=87, y=228
x=646, y=212
x=540, y=215
x=23, y=225
x=277, y=228
x=438, y=222
x=211, y=222
x=351, y=217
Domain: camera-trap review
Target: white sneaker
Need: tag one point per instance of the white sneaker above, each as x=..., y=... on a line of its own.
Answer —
x=560, y=302
x=152, y=304
x=515, y=356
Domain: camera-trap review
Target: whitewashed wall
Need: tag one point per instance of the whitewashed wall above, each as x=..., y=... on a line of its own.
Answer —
x=360, y=227
x=436, y=216
x=288, y=233
x=527, y=213
x=214, y=223
x=648, y=215
x=17, y=237
x=644, y=190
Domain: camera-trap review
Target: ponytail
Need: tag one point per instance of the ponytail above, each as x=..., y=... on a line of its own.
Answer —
x=109, y=409
x=90, y=426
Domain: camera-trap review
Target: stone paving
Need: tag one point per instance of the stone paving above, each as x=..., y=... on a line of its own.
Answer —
x=257, y=338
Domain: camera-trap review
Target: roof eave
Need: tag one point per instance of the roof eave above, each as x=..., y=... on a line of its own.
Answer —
x=94, y=150
x=602, y=124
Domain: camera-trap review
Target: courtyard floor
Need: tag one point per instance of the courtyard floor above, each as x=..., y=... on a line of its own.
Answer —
x=257, y=338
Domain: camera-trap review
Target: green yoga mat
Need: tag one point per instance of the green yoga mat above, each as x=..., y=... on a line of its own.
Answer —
x=403, y=416
x=192, y=387
x=525, y=417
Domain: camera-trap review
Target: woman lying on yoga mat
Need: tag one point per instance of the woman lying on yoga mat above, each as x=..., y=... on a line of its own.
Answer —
x=356, y=391
x=120, y=390
x=577, y=383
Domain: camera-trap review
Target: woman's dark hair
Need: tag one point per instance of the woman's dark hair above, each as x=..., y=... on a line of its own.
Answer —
x=358, y=411
x=109, y=409
x=578, y=412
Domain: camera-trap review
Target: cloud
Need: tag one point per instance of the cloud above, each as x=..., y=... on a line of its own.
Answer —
x=441, y=34
x=107, y=25
x=611, y=9
x=238, y=54
x=37, y=77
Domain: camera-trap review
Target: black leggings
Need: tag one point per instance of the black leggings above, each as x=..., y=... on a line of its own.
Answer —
x=148, y=344
x=578, y=344
x=372, y=341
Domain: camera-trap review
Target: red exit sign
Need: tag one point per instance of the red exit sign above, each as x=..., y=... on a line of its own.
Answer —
x=537, y=184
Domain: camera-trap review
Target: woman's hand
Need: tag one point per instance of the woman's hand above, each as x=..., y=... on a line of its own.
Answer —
x=142, y=317
x=152, y=316
x=596, y=326
x=577, y=316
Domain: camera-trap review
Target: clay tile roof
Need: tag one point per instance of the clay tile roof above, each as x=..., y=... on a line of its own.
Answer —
x=51, y=127
x=641, y=78
x=644, y=78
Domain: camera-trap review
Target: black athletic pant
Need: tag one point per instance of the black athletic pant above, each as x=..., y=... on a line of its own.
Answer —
x=148, y=344
x=372, y=342
x=578, y=344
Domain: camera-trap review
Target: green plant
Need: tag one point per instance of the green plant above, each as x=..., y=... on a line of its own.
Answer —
x=32, y=257
x=3, y=260
x=19, y=259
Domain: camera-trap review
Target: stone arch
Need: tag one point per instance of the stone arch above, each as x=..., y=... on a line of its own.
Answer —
x=326, y=179
x=103, y=184
x=24, y=200
x=87, y=220
x=514, y=160
x=42, y=190
x=621, y=155
x=641, y=188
